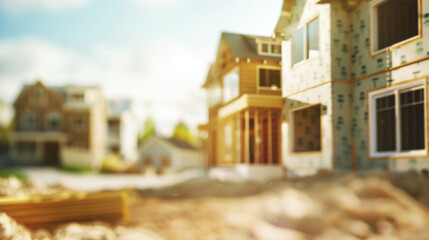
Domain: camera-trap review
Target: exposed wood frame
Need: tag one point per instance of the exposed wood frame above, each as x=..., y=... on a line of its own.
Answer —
x=291, y=130
x=246, y=136
x=257, y=158
x=270, y=138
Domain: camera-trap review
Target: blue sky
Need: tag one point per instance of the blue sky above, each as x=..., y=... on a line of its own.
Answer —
x=152, y=51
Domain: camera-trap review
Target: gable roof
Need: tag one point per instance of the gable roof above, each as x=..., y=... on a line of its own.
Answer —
x=245, y=46
x=180, y=144
x=168, y=142
x=27, y=89
x=210, y=75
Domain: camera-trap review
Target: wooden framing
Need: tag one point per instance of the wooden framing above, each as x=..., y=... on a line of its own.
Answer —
x=245, y=111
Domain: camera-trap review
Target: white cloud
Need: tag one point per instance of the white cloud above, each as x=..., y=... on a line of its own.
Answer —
x=167, y=75
x=17, y=6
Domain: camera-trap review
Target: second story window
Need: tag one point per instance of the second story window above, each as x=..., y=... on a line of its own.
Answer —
x=393, y=21
x=53, y=121
x=269, y=78
x=29, y=121
x=214, y=95
x=80, y=123
x=270, y=48
x=79, y=97
x=230, y=85
x=305, y=42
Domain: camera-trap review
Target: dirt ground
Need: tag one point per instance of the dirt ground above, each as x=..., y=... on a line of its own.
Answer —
x=371, y=206
x=203, y=209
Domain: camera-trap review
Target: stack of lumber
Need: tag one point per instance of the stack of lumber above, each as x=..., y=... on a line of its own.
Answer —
x=47, y=211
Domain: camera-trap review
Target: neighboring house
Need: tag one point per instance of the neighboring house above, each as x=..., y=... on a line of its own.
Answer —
x=122, y=128
x=244, y=100
x=169, y=155
x=355, y=75
x=59, y=126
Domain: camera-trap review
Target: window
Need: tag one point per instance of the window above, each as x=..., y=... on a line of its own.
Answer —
x=79, y=97
x=264, y=48
x=53, y=121
x=270, y=48
x=397, y=123
x=313, y=39
x=26, y=148
x=269, y=78
x=305, y=128
x=305, y=42
x=113, y=127
x=393, y=21
x=214, y=95
x=29, y=121
x=230, y=85
x=80, y=122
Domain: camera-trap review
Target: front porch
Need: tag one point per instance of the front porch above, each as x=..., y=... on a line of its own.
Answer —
x=37, y=148
x=248, y=131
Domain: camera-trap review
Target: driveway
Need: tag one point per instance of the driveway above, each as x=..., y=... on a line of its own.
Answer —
x=97, y=181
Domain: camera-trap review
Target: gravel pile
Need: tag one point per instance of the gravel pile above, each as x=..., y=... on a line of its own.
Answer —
x=10, y=230
x=13, y=187
x=350, y=208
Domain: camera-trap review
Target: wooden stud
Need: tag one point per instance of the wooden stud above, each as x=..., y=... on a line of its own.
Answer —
x=246, y=136
x=238, y=138
x=270, y=138
x=256, y=137
x=279, y=140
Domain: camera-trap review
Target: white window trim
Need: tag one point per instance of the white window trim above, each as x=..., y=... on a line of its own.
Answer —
x=270, y=51
x=292, y=133
x=374, y=33
x=259, y=87
x=306, y=57
x=372, y=96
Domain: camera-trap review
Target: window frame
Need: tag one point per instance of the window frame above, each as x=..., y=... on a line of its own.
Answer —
x=25, y=116
x=373, y=29
x=48, y=119
x=85, y=123
x=269, y=48
x=305, y=42
x=259, y=87
x=395, y=89
x=291, y=111
x=224, y=98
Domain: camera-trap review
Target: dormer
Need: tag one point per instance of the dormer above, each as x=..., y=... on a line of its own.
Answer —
x=269, y=48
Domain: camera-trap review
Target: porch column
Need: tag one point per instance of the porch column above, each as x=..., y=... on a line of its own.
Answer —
x=246, y=137
x=270, y=139
x=238, y=138
x=279, y=138
x=256, y=138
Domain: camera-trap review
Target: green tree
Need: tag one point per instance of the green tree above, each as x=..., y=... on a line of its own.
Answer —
x=149, y=130
x=181, y=132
